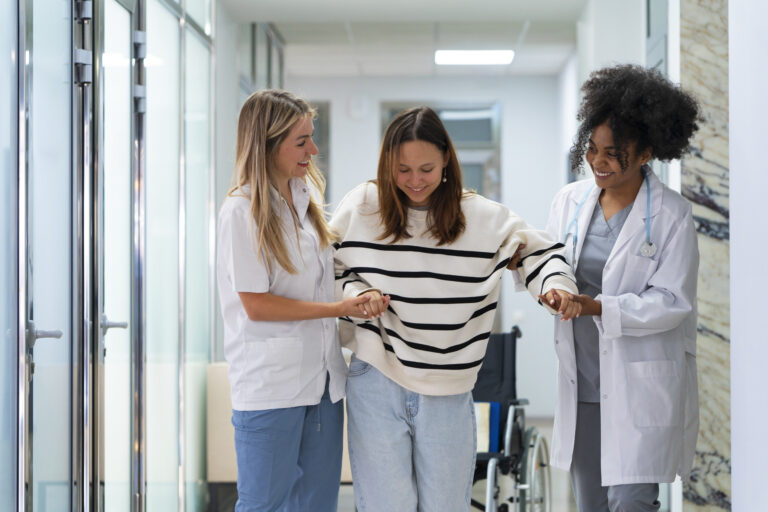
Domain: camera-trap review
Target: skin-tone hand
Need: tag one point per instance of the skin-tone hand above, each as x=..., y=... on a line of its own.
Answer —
x=265, y=307
x=374, y=306
x=562, y=302
x=353, y=306
x=515, y=258
x=589, y=306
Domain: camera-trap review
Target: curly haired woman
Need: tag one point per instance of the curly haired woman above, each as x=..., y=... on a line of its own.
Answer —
x=627, y=411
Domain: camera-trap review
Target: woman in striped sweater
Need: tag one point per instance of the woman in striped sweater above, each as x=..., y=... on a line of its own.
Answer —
x=430, y=257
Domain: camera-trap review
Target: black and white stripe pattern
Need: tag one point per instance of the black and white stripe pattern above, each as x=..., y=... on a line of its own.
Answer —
x=443, y=299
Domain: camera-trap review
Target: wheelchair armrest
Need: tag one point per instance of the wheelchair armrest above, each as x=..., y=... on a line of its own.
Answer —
x=520, y=401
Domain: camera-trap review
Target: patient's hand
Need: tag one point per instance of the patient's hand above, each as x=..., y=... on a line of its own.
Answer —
x=565, y=303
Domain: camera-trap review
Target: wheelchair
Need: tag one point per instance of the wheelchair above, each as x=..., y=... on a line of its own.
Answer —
x=517, y=477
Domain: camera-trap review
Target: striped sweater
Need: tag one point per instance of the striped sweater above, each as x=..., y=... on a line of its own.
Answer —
x=443, y=298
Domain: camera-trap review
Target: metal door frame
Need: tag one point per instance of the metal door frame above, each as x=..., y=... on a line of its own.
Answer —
x=78, y=162
x=136, y=262
x=138, y=313
x=21, y=267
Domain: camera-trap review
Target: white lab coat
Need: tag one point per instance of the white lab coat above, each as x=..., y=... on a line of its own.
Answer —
x=649, y=412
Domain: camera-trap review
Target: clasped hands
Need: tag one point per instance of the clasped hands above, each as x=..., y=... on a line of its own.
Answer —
x=571, y=306
x=566, y=304
x=372, y=304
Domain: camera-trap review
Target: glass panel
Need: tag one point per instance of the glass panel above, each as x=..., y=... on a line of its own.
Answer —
x=200, y=10
x=472, y=176
x=470, y=130
x=262, y=58
x=115, y=434
x=50, y=251
x=8, y=251
x=197, y=290
x=162, y=257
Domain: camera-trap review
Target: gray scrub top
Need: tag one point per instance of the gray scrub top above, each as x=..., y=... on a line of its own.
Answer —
x=600, y=238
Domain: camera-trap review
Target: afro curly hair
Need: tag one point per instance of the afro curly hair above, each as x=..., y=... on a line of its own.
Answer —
x=642, y=108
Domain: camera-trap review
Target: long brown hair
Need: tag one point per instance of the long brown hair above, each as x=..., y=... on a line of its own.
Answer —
x=445, y=218
x=266, y=118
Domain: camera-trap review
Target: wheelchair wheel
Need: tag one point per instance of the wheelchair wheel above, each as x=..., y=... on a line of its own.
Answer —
x=535, y=484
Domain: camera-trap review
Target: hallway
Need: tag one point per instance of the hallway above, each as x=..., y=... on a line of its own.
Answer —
x=117, y=145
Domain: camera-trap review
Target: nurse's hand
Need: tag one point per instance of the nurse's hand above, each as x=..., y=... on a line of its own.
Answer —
x=353, y=306
x=563, y=302
x=515, y=261
x=375, y=305
x=589, y=306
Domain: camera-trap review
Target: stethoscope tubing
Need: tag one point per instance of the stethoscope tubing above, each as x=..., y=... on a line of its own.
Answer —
x=648, y=250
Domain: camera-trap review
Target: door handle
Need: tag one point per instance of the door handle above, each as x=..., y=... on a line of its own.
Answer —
x=39, y=333
x=107, y=324
x=35, y=334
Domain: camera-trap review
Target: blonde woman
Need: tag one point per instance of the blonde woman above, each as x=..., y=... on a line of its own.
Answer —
x=276, y=285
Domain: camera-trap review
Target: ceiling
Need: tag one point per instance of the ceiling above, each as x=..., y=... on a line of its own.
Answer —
x=357, y=38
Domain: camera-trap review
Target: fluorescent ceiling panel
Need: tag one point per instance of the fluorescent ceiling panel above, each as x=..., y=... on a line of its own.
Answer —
x=474, y=57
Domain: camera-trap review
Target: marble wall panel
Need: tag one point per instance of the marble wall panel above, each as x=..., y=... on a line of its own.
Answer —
x=705, y=182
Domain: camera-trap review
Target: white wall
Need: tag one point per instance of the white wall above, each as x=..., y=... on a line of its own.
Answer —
x=532, y=163
x=748, y=82
x=611, y=32
x=568, y=100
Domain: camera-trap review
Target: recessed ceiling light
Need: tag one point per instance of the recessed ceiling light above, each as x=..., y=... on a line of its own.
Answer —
x=474, y=57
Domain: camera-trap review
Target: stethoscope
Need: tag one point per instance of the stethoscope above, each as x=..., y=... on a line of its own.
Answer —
x=648, y=249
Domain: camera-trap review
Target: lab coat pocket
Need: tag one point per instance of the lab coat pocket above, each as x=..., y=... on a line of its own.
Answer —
x=273, y=367
x=638, y=272
x=653, y=392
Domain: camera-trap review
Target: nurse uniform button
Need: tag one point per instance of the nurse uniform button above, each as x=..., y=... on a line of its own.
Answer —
x=648, y=249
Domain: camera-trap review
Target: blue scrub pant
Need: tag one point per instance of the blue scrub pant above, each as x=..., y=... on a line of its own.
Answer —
x=289, y=459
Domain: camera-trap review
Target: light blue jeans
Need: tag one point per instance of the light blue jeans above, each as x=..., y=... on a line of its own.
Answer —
x=409, y=452
x=289, y=459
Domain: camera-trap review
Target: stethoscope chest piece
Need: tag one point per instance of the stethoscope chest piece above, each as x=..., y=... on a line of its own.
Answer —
x=648, y=249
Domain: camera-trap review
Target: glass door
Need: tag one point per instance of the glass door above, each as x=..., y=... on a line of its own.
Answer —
x=8, y=254
x=165, y=480
x=114, y=263
x=49, y=266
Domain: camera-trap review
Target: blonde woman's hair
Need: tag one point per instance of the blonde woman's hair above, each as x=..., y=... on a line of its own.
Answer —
x=266, y=118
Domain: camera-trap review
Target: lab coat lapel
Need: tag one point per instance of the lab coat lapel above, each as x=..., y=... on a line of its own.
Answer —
x=635, y=223
x=585, y=215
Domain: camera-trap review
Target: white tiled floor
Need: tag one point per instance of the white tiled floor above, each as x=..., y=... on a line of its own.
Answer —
x=562, y=498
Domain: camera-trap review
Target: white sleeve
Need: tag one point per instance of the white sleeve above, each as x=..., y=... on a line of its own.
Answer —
x=670, y=294
x=237, y=247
